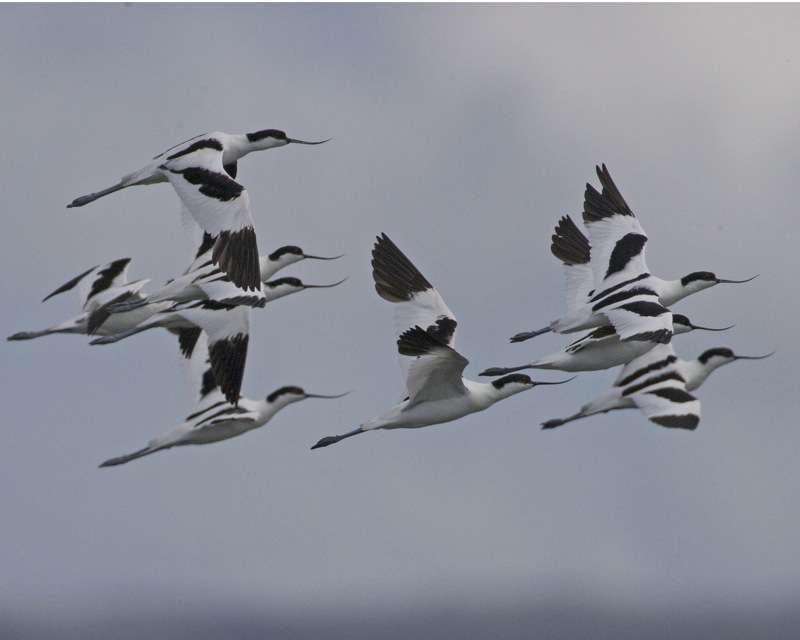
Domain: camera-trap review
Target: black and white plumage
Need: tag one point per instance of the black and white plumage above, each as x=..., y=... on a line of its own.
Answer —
x=98, y=288
x=200, y=170
x=607, y=278
x=228, y=330
x=425, y=328
x=214, y=418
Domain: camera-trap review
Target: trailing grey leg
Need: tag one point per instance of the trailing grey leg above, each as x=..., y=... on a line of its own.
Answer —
x=113, y=462
x=91, y=197
x=557, y=422
x=324, y=442
x=527, y=335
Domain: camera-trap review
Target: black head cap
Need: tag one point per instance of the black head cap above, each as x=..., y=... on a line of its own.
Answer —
x=679, y=318
x=290, y=248
x=723, y=352
x=294, y=282
x=514, y=377
x=272, y=397
x=266, y=133
x=698, y=275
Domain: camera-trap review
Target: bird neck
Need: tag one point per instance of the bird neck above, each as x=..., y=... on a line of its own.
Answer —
x=669, y=291
x=695, y=372
x=270, y=267
x=237, y=146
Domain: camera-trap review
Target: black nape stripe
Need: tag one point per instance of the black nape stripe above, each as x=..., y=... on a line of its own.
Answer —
x=627, y=248
x=644, y=308
x=291, y=281
x=569, y=244
x=236, y=253
x=673, y=394
x=722, y=352
x=266, y=133
x=698, y=275
x=645, y=370
x=209, y=143
x=278, y=253
x=499, y=383
x=688, y=421
x=272, y=397
x=624, y=295
x=670, y=375
x=396, y=278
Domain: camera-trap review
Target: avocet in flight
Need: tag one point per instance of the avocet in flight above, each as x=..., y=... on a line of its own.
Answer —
x=607, y=279
x=204, y=281
x=658, y=384
x=599, y=349
x=227, y=327
x=216, y=202
x=425, y=326
x=98, y=289
x=215, y=419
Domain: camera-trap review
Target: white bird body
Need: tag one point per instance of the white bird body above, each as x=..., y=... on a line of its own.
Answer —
x=425, y=329
x=658, y=383
x=607, y=278
x=600, y=349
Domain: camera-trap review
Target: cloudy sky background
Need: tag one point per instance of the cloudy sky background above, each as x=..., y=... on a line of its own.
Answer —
x=463, y=133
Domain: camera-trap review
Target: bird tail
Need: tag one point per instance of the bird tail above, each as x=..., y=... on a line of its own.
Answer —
x=113, y=462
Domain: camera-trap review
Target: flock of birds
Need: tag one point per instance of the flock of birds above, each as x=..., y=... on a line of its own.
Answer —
x=610, y=293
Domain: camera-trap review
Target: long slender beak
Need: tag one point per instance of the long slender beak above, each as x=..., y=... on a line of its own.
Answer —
x=723, y=281
x=696, y=326
x=536, y=382
x=305, y=255
x=766, y=355
x=317, y=395
x=295, y=141
x=323, y=286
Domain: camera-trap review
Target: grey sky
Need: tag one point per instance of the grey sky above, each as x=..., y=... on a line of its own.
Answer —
x=463, y=133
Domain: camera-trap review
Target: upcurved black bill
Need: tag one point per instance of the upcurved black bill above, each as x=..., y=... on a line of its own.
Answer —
x=295, y=141
x=697, y=326
x=305, y=255
x=536, y=382
x=766, y=355
x=333, y=397
x=723, y=281
x=324, y=286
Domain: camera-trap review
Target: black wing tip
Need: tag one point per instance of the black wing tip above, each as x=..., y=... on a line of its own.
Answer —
x=569, y=244
x=236, y=253
x=606, y=204
x=395, y=276
x=228, y=358
x=416, y=341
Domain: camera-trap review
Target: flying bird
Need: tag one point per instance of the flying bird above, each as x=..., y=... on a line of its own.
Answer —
x=215, y=419
x=658, y=384
x=200, y=170
x=599, y=349
x=99, y=288
x=607, y=279
x=425, y=327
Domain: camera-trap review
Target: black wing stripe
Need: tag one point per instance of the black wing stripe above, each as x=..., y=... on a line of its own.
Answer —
x=187, y=340
x=418, y=342
x=236, y=253
x=673, y=394
x=70, y=284
x=626, y=249
x=655, y=366
x=624, y=295
x=228, y=358
x=605, y=292
x=645, y=308
x=569, y=244
x=664, y=377
x=106, y=276
x=660, y=336
x=396, y=278
x=208, y=143
x=101, y=314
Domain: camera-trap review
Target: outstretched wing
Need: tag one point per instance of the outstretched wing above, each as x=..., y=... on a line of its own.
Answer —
x=654, y=383
x=228, y=330
x=617, y=239
x=416, y=301
x=573, y=249
x=94, y=281
x=220, y=205
x=641, y=317
x=436, y=371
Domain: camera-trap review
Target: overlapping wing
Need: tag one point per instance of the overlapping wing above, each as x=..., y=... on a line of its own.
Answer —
x=220, y=205
x=654, y=383
x=94, y=281
x=436, y=371
x=617, y=239
x=416, y=301
x=573, y=249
